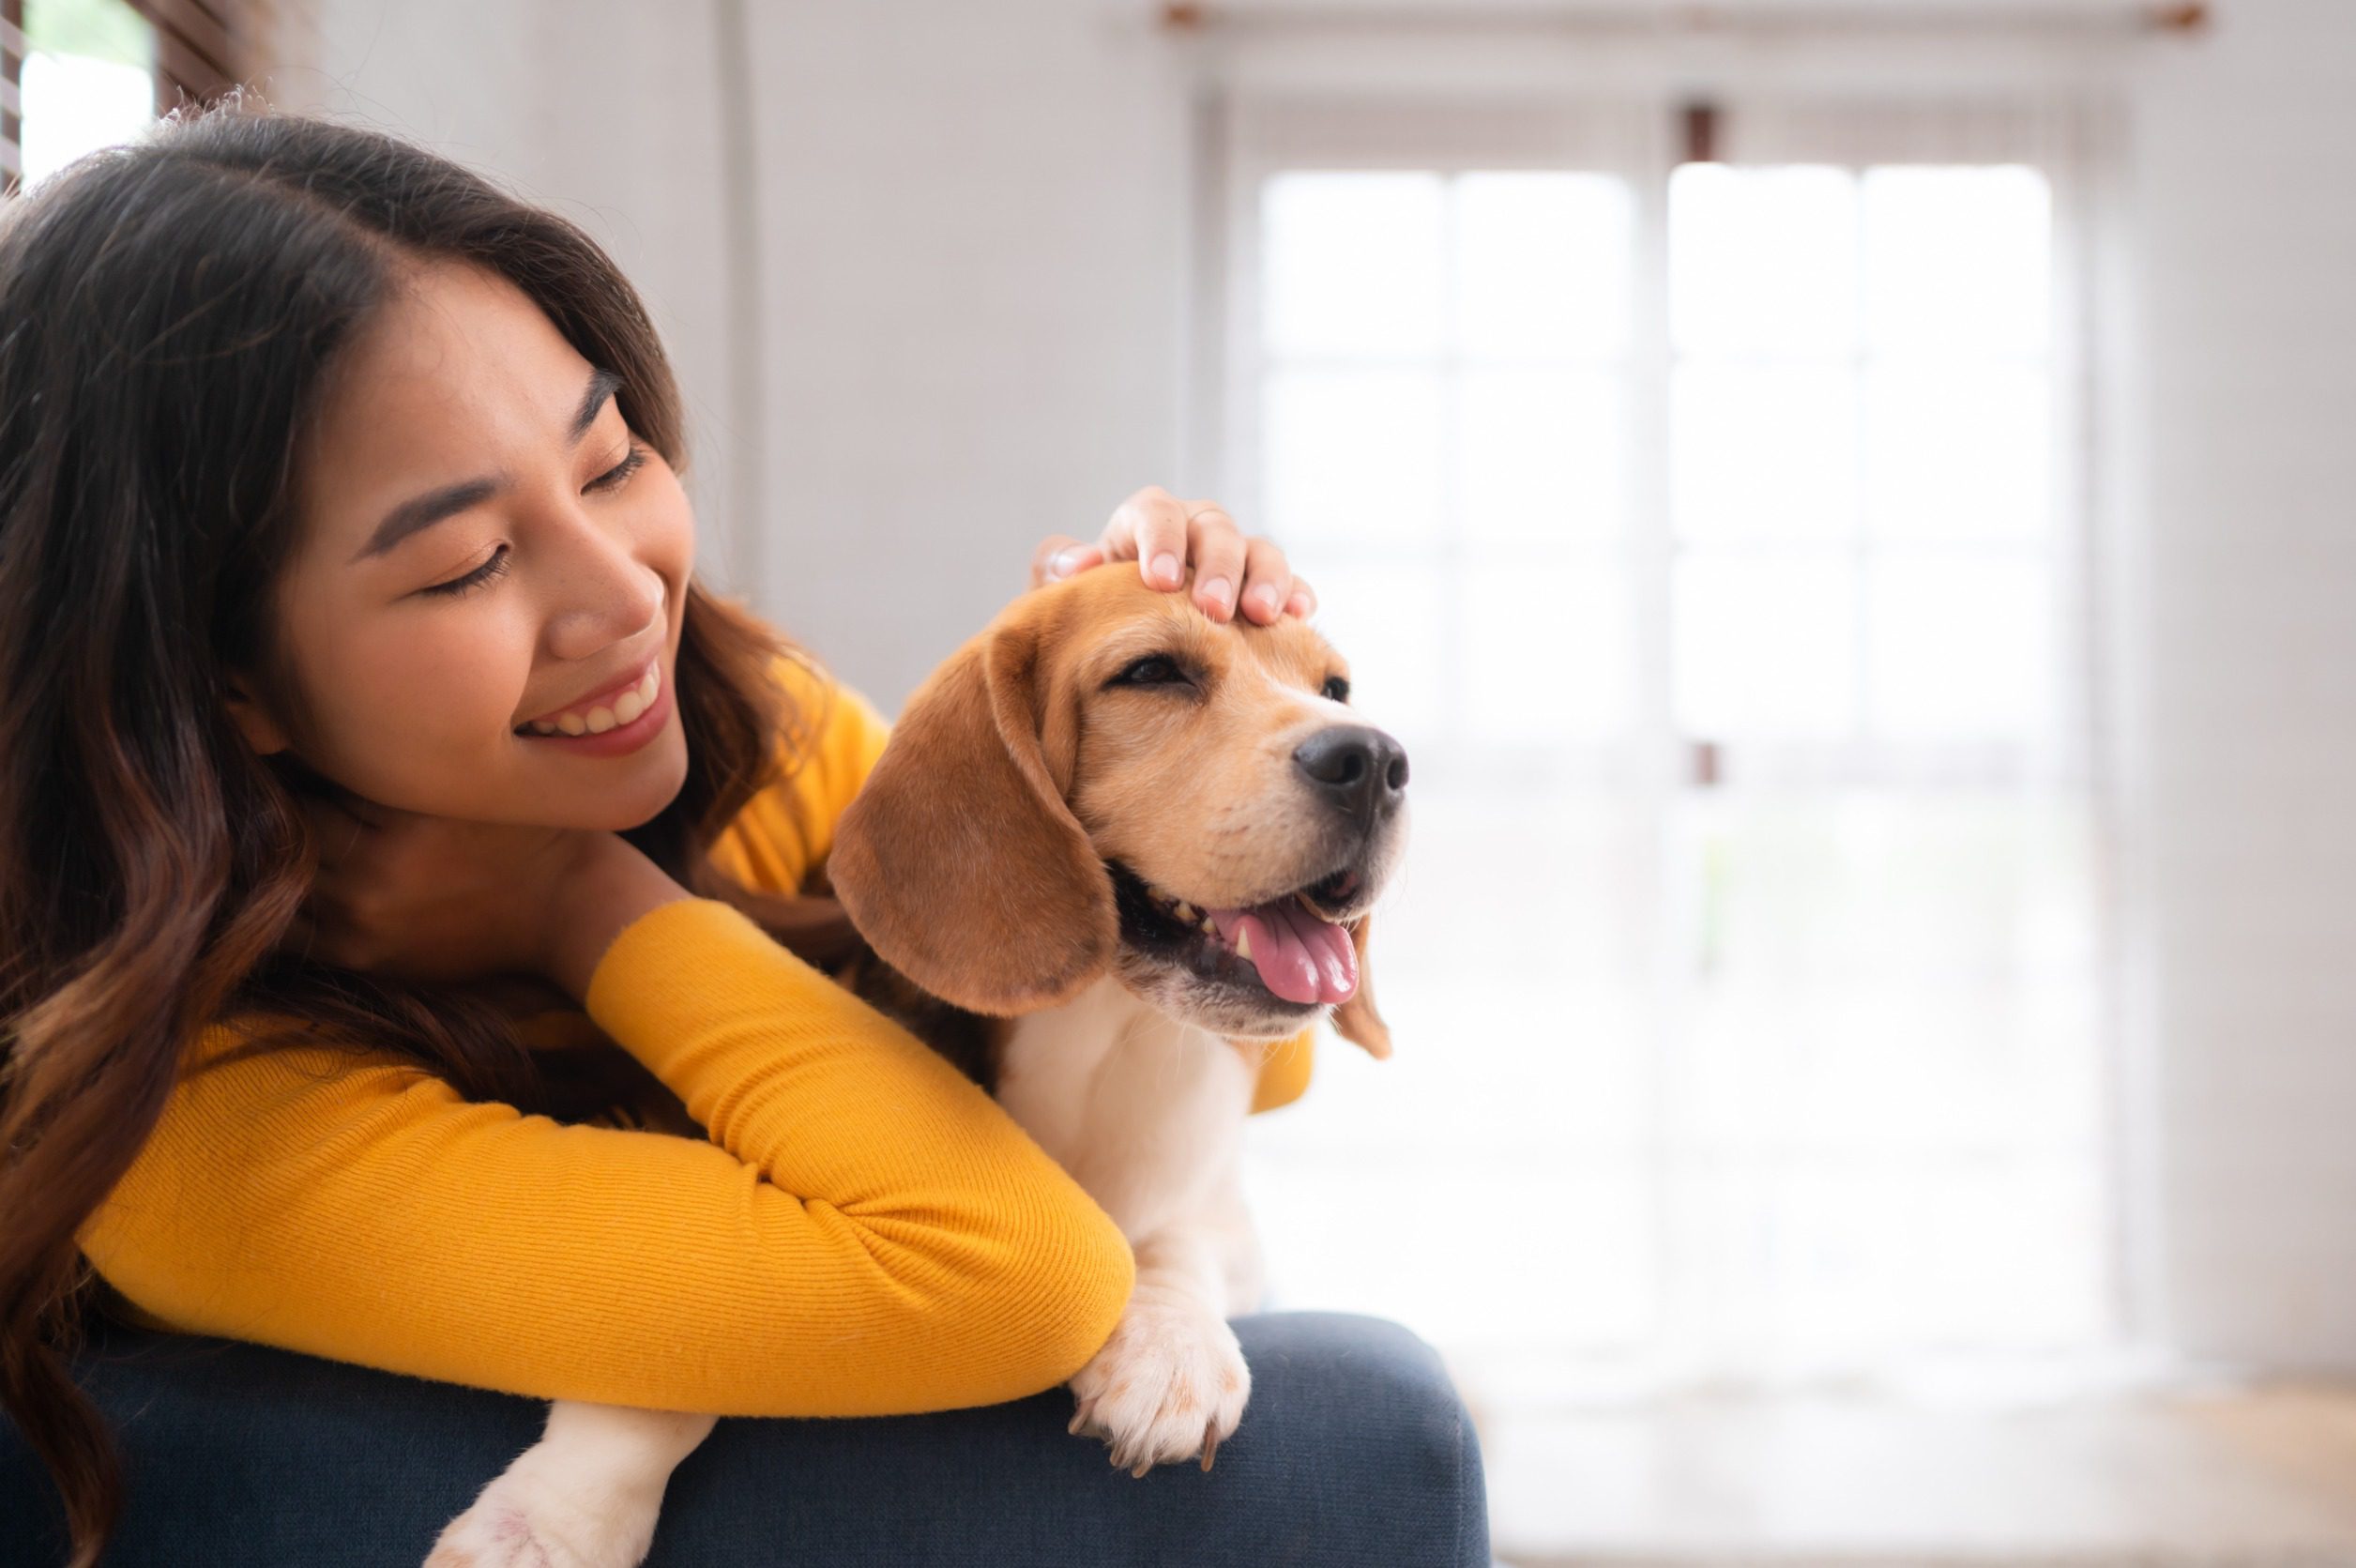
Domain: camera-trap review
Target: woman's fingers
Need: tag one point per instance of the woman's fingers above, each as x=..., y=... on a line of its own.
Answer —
x=1217, y=547
x=1149, y=527
x=1268, y=582
x=1234, y=573
x=1059, y=556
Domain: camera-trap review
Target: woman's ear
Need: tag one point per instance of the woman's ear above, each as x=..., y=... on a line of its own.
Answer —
x=959, y=861
x=254, y=721
x=1356, y=1020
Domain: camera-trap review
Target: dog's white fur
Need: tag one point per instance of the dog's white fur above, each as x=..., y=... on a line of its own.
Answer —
x=1146, y=1113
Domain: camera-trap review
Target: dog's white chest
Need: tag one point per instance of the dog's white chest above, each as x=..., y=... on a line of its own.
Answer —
x=1144, y=1112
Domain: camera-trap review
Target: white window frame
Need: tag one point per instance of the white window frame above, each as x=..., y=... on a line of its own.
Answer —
x=1246, y=135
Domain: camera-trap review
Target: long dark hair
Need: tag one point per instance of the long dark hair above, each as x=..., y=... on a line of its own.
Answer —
x=167, y=312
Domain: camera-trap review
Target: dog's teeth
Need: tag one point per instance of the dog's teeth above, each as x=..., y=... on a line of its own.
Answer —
x=1210, y=927
x=1244, y=943
x=1185, y=911
x=1313, y=908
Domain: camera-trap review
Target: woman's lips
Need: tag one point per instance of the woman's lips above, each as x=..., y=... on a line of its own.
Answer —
x=604, y=699
x=618, y=740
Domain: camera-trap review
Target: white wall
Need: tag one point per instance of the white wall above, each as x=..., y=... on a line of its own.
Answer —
x=967, y=226
x=975, y=221
x=2245, y=172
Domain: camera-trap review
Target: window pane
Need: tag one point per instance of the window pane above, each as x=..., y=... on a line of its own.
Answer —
x=1957, y=259
x=1763, y=646
x=1958, y=451
x=1353, y=456
x=88, y=80
x=1542, y=263
x=1763, y=261
x=1763, y=451
x=1533, y=1077
x=1542, y=454
x=1961, y=646
x=1549, y=649
x=1889, y=1098
x=1884, y=1113
x=1385, y=621
x=1336, y=1236
x=1353, y=263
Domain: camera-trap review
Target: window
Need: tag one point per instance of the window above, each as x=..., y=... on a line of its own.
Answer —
x=83, y=74
x=1707, y=532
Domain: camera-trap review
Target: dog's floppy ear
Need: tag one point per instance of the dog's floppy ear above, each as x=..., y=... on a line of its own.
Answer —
x=959, y=861
x=1356, y=1020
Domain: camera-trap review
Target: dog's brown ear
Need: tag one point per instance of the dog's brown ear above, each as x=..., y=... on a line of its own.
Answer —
x=959, y=861
x=1356, y=1020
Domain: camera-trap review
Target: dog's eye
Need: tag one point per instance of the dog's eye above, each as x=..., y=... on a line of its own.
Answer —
x=1155, y=669
x=1336, y=689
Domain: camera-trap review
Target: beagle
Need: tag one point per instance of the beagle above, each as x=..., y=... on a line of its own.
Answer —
x=1132, y=846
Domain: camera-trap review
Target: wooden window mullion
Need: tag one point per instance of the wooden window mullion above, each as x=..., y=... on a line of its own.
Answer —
x=11, y=94
x=196, y=49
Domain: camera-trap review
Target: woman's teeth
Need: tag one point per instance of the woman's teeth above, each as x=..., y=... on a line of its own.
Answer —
x=598, y=719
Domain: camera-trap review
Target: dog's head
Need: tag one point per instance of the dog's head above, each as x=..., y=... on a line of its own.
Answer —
x=1107, y=779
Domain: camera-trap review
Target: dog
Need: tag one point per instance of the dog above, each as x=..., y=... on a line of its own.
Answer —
x=1131, y=847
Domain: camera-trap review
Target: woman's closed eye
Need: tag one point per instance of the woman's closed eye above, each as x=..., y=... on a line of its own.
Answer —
x=495, y=567
x=618, y=475
x=613, y=478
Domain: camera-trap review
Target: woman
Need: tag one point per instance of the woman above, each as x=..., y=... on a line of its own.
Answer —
x=374, y=769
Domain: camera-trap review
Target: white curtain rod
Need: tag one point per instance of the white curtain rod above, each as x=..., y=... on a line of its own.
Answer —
x=1693, y=20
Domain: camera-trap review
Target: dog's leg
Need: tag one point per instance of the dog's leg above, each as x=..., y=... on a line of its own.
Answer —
x=1171, y=1382
x=584, y=1496
x=1225, y=1214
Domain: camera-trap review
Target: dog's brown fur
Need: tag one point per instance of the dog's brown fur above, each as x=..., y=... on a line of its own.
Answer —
x=973, y=860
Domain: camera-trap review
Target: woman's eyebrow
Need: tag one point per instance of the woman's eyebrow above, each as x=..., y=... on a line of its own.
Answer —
x=423, y=512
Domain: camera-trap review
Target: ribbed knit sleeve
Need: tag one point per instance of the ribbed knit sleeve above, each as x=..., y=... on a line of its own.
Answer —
x=865, y=1233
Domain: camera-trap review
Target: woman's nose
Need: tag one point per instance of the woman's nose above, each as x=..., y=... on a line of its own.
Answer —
x=600, y=587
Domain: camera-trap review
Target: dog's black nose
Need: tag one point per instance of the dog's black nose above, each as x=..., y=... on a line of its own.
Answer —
x=1360, y=770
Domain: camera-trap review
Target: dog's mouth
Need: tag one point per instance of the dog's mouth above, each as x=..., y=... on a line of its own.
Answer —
x=1293, y=949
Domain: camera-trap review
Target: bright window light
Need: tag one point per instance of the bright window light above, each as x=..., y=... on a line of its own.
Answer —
x=89, y=80
x=1745, y=970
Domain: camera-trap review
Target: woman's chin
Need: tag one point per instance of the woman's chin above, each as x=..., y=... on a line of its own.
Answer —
x=618, y=805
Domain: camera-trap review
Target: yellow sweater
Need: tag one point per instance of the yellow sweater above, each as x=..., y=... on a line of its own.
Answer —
x=864, y=1233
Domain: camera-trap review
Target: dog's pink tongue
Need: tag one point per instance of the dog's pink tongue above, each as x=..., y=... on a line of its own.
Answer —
x=1300, y=958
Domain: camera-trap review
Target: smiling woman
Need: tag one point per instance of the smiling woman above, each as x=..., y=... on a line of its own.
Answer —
x=392, y=832
x=462, y=449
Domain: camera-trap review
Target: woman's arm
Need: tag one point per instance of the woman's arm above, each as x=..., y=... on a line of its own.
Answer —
x=865, y=1234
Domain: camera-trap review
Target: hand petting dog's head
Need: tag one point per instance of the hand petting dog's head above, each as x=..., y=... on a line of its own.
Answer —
x=1107, y=779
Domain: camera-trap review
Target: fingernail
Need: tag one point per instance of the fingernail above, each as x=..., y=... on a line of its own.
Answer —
x=1265, y=597
x=1064, y=562
x=1218, y=588
x=1166, y=566
x=1300, y=604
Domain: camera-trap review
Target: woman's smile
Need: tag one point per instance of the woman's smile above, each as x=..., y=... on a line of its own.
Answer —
x=613, y=723
x=618, y=701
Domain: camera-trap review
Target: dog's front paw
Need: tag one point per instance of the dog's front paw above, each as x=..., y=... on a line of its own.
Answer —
x=1168, y=1385
x=523, y=1520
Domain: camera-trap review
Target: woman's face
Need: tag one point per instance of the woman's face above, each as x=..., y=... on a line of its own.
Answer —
x=485, y=544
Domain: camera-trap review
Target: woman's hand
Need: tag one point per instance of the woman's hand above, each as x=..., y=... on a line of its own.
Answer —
x=432, y=898
x=1164, y=535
